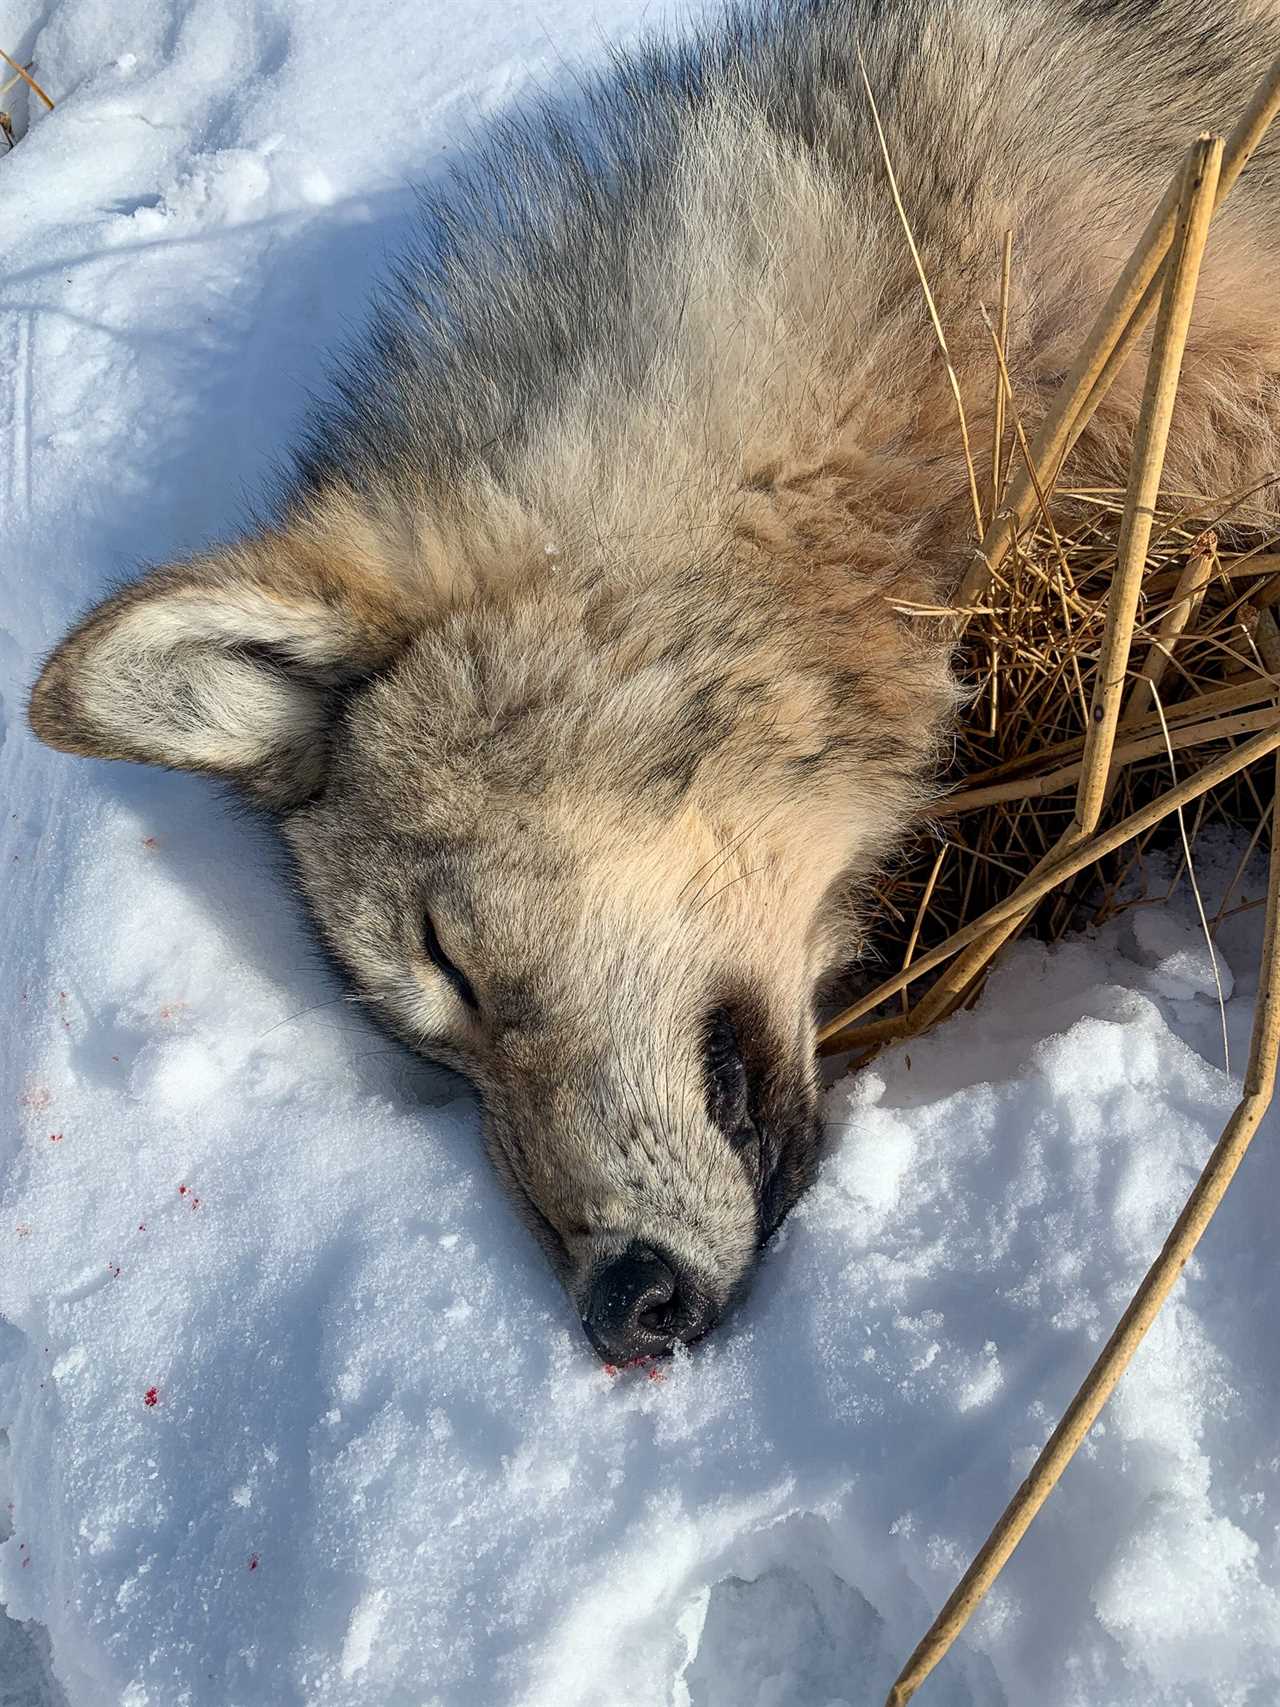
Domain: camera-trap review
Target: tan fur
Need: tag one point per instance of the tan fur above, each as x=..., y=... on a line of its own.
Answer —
x=578, y=631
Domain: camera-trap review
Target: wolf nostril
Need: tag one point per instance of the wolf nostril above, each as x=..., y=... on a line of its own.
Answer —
x=639, y=1307
x=656, y=1320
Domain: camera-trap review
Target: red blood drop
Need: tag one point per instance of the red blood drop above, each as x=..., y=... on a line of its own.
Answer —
x=253, y=1562
x=182, y=1191
x=151, y=1396
x=55, y=1137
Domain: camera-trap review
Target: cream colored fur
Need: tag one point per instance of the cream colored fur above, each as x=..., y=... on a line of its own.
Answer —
x=579, y=632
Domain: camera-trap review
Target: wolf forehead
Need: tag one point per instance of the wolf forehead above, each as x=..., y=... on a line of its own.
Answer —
x=521, y=813
x=630, y=691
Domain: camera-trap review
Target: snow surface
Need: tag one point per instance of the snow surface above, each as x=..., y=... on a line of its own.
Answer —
x=381, y=1466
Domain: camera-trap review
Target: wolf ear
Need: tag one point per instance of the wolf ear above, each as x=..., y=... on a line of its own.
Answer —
x=227, y=662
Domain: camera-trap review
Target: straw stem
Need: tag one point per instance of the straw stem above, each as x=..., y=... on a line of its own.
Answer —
x=1081, y=1413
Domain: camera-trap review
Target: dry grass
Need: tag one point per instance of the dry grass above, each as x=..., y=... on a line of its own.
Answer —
x=1202, y=633
x=1124, y=662
x=21, y=75
x=1115, y=643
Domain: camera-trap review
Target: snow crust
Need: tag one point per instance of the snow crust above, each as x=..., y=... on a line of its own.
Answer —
x=294, y=1412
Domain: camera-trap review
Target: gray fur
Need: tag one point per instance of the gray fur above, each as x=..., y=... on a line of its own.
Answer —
x=576, y=626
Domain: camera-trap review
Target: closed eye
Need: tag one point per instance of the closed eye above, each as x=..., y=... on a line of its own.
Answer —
x=444, y=966
x=726, y=1087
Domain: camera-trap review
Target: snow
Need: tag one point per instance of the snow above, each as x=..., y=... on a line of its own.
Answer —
x=381, y=1466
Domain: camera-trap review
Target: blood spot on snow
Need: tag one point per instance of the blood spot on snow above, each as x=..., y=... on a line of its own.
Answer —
x=182, y=1191
x=55, y=1137
x=142, y=1226
x=151, y=1396
x=35, y=1097
x=253, y=1561
x=151, y=841
x=23, y=1229
x=113, y=1269
x=645, y=1361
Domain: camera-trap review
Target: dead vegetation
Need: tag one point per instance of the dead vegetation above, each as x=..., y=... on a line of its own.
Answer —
x=1125, y=675
x=1202, y=677
x=1120, y=650
x=21, y=78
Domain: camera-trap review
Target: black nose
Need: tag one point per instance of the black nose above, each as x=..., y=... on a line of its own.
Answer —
x=639, y=1306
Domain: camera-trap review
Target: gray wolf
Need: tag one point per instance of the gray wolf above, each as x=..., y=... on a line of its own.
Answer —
x=569, y=659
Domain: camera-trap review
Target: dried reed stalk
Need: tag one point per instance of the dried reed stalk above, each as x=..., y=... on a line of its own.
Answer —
x=1120, y=323
x=1258, y=688
x=27, y=78
x=1188, y=593
x=1194, y=202
x=1195, y=205
x=1080, y=1415
x=1147, y=747
x=1089, y=639
x=1001, y=341
x=835, y=1034
x=938, y=333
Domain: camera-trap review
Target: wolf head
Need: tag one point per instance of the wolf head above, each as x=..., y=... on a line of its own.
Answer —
x=588, y=839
